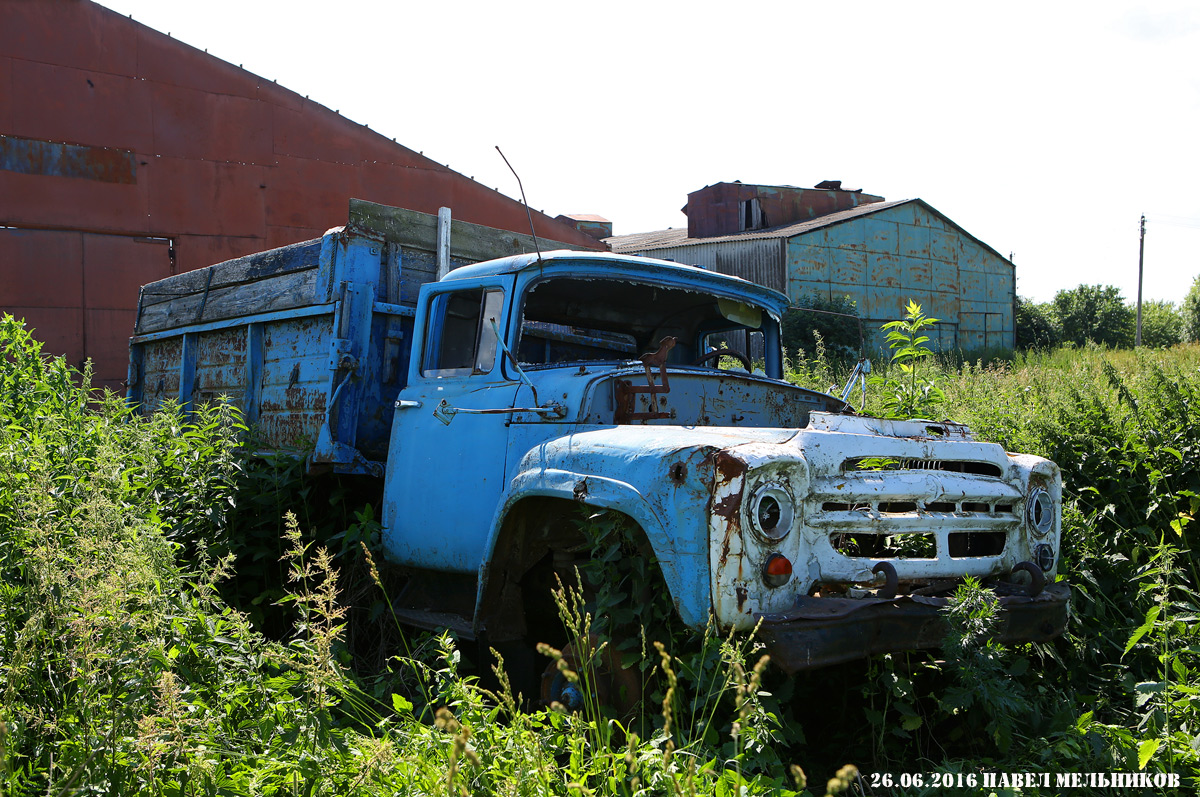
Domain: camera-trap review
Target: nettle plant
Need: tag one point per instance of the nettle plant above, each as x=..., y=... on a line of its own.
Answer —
x=911, y=395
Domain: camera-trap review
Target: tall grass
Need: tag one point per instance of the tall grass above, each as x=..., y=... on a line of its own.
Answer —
x=125, y=668
x=125, y=671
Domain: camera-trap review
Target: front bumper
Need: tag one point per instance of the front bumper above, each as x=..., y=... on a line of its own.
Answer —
x=818, y=632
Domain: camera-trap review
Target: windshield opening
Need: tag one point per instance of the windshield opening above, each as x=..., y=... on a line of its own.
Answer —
x=571, y=320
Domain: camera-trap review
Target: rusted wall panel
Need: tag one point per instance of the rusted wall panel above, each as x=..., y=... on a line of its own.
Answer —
x=54, y=159
x=57, y=278
x=225, y=199
x=116, y=266
x=204, y=125
x=106, y=333
x=907, y=253
x=198, y=251
x=81, y=106
x=291, y=202
x=760, y=261
x=68, y=33
x=213, y=151
x=6, y=94
x=717, y=209
x=162, y=59
x=60, y=329
x=34, y=200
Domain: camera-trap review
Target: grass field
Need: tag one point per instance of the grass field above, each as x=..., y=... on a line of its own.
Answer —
x=125, y=545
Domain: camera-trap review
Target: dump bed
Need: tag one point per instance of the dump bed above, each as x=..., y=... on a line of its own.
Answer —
x=311, y=341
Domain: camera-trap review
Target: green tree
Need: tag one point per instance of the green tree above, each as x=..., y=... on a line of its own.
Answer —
x=1095, y=314
x=1189, y=312
x=1162, y=324
x=840, y=333
x=1036, y=325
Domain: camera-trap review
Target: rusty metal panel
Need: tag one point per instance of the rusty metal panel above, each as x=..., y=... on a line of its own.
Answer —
x=883, y=270
x=60, y=329
x=943, y=246
x=50, y=158
x=197, y=251
x=116, y=266
x=971, y=256
x=873, y=233
x=916, y=274
x=6, y=99
x=205, y=197
x=718, y=209
x=848, y=267
x=41, y=268
x=316, y=133
x=162, y=59
x=80, y=106
x=210, y=126
x=945, y=277
x=274, y=94
x=107, y=340
x=971, y=284
x=221, y=366
x=914, y=241
x=83, y=35
x=807, y=263
x=295, y=380
x=757, y=260
x=292, y=200
x=1000, y=285
x=159, y=379
x=282, y=236
x=28, y=200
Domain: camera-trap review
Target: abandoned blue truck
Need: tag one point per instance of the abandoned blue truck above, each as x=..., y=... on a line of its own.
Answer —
x=496, y=401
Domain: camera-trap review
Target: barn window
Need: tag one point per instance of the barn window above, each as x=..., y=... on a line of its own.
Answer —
x=752, y=216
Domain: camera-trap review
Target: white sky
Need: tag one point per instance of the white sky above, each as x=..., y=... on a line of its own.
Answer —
x=1044, y=129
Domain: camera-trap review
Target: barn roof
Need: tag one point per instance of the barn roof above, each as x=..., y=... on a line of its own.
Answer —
x=668, y=239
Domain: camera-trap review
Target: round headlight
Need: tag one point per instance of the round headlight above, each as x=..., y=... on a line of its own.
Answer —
x=1044, y=555
x=1041, y=512
x=771, y=512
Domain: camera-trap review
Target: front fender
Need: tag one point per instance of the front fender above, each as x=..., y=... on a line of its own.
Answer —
x=661, y=477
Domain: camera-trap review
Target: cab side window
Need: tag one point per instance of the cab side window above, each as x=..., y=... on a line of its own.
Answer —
x=461, y=338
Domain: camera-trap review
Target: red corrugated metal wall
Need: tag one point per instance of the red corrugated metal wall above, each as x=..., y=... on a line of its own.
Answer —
x=112, y=133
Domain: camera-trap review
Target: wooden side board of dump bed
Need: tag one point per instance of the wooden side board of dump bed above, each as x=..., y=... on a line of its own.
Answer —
x=311, y=341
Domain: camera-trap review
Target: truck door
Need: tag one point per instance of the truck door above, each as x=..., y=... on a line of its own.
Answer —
x=444, y=480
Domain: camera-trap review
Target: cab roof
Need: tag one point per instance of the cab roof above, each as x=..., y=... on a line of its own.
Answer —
x=605, y=265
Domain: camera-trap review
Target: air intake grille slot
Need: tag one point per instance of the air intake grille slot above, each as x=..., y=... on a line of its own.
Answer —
x=859, y=464
x=976, y=543
x=889, y=546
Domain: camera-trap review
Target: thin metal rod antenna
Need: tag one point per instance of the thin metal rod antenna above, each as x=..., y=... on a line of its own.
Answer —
x=1137, y=338
x=528, y=215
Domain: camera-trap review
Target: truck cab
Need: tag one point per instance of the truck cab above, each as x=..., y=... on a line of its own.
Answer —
x=542, y=383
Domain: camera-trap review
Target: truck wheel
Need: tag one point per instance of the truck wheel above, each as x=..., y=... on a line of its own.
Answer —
x=605, y=683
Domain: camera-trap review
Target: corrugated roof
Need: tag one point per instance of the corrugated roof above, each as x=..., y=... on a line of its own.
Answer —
x=639, y=242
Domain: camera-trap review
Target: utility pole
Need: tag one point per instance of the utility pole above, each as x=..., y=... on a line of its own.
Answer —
x=1141, y=253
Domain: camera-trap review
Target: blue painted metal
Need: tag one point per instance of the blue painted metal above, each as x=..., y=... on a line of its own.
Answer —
x=254, y=368
x=187, y=371
x=444, y=483
x=230, y=323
